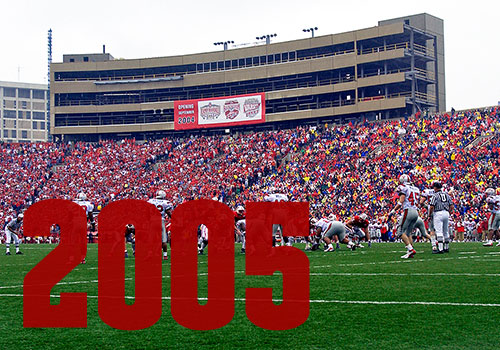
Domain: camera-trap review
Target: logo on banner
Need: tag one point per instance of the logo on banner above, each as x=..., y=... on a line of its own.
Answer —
x=231, y=109
x=210, y=111
x=251, y=107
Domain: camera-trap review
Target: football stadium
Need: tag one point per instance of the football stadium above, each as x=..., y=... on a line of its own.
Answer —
x=401, y=233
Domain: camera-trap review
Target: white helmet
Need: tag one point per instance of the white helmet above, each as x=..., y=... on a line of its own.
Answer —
x=364, y=216
x=313, y=222
x=332, y=217
x=490, y=192
x=81, y=196
x=20, y=216
x=404, y=179
x=161, y=194
x=240, y=209
x=271, y=189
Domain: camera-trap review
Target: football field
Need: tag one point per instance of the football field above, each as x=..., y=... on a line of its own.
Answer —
x=367, y=299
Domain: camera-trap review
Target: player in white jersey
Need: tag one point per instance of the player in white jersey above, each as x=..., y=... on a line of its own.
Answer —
x=425, y=199
x=493, y=202
x=327, y=229
x=82, y=201
x=241, y=226
x=165, y=207
x=202, y=238
x=12, y=234
x=408, y=198
x=277, y=229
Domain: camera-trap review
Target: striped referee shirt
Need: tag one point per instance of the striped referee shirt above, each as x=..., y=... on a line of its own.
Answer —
x=441, y=201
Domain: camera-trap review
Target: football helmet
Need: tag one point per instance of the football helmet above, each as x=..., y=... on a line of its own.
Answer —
x=20, y=216
x=490, y=192
x=240, y=209
x=161, y=194
x=81, y=196
x=404, y=179
x=332, y=217
x=313, y=222
x=364, y=216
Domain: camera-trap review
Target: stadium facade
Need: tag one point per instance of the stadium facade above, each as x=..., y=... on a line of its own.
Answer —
x=23, y=112
x=392, y=70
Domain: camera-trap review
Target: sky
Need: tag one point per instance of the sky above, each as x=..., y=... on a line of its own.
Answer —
x=138, y=29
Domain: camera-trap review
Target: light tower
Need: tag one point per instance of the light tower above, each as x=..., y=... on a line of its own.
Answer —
x=49, y=61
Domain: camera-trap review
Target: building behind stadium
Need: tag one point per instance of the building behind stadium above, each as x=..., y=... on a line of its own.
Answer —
x=23, y=112
x=393, y=70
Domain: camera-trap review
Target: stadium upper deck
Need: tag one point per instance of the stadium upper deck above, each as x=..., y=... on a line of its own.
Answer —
x=387, y=71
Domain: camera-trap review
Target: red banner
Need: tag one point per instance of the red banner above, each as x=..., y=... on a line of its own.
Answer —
x=219, y=112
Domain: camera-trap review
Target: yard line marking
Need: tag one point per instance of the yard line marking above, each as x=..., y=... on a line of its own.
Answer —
x=321, y=301
x=467, y=252
x=404, y=274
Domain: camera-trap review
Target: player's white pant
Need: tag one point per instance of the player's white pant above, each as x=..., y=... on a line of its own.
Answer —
x=11, y=236
x=494, y=221
x=441, y=225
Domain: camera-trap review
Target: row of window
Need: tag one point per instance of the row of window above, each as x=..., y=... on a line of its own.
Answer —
x=7, y=113
x=13, y=124
x=24, y=93
x=24, y=104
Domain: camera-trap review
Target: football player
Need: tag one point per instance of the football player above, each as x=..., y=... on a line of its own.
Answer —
x=239, y=214
x=359, y=226
x=81, y=200
x=12, y=234
x=493, y=202
x=202, y=238
x=165, y=207
x=408, y=198
x=277, y=229
x=241, y=226
x=425, y=199
x=129, y=237
x=328, y=229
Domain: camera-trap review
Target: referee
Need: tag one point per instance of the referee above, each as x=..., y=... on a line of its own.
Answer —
x=439, y=212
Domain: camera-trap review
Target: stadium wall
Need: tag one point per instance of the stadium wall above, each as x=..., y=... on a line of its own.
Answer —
x=392, y=70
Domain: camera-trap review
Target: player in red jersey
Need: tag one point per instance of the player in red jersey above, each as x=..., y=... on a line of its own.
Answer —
x=359, y=225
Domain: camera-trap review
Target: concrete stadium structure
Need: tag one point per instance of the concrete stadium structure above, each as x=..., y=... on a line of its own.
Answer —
x=388, y=71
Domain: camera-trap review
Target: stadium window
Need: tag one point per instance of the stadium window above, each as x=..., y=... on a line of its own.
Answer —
x=241, y=62
x=72, y=60
x=39, y=115
x=7, y=113
x=35, y=125
x=255, y=61
x=20, y=114
x=13, y=134
x=6, y=133
x=234, y=64
x=206, y=67
x=248, y=61
x=220, y=65
x=28, y=114
x=42, y=125
x=270, y=59
x=9, y=92
x=227, y=64
x=292, y=55
x=277, y=58
x=24, y=104
x=85, y=59
x=24, y=134
x=213, y=66
x=263, y=59
x=39, y=94
x=285, y=56
x=24, y=93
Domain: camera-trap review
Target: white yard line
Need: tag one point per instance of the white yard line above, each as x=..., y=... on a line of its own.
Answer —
x=322, y=301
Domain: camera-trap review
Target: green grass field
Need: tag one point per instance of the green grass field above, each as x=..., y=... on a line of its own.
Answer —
x=367, y=299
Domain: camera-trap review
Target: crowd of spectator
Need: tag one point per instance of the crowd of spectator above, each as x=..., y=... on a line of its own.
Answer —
x=341, y=169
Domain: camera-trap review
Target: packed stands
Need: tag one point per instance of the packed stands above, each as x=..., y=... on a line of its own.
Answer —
x=341, y=169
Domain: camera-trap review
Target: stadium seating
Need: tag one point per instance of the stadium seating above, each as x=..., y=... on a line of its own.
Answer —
x=342, y=169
